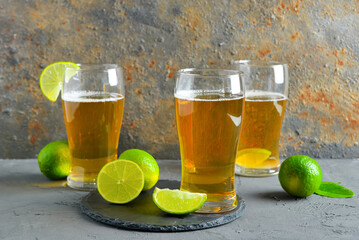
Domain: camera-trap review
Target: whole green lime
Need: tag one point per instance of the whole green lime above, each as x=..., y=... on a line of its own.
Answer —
x=54, y=160
x=147, y=164
x=300, y=175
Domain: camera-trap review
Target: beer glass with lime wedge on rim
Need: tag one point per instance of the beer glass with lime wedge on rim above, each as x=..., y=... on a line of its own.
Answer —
x=266, y=85
x=93, y=103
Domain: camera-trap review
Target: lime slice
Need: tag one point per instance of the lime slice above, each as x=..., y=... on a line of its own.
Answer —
x=52, y=77
x=252, y=157
x=120, y=181
x=177, y=201
x=334, y=190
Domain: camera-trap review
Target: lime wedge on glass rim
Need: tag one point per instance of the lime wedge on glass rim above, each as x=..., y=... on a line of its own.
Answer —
x=177, y=201
x=120, y=181
x=52, y=78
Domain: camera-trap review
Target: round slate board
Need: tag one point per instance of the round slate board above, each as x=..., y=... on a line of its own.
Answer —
x=143, y=214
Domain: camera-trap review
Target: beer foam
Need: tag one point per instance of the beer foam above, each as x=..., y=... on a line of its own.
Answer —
x=195, y=94
x=91, y=96
x=274, y=96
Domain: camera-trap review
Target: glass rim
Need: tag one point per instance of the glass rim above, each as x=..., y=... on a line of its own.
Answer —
x=205, y=72
x=259, y=63
x=95, y=67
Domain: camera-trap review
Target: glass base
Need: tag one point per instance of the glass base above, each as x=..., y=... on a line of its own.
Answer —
x=219, y=206
x=256, y=172
x=84, y=186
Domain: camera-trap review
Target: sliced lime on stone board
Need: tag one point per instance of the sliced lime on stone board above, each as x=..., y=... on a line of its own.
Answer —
x=177, y=201
x=52, y=78
x=120, y=181
x=333, y=190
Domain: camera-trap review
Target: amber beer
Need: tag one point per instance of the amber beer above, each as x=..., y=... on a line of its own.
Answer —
x=208, y=126
x=93, y=123
x=260, y=133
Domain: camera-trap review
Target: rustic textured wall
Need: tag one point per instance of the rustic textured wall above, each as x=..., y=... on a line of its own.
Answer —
x=151, y=39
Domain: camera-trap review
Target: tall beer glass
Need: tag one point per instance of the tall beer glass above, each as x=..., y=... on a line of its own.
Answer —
x=266, y=96
x=93, y=102
x=209, y=106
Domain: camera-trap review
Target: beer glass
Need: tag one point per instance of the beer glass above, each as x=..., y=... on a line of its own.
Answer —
x=266, y=93
x=93, y=102
x=209, y=106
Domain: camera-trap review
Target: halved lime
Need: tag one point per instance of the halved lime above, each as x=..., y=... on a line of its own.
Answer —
x=177, y=201
x=120, y=181
x=252, y=157
x=52, y=78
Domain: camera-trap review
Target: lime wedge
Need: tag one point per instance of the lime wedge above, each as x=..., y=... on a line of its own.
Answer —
x=120, y=181
x=177, y=201
x=252, y=157
x=52, y=78
x=333, y=190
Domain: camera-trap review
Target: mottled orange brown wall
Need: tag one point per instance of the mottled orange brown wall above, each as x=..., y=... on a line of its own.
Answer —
x=152, y=39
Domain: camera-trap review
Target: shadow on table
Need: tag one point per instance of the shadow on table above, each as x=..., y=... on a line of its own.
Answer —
x=30, y=179
x=275, y=196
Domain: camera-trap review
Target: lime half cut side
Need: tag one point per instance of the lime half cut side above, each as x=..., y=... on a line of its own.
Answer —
x=52, y=77
x=177, y=201
x=120, y=181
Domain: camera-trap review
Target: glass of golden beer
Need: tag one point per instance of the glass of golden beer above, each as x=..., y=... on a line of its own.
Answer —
x=209, y=105
x=266, y=93
x=93, y=102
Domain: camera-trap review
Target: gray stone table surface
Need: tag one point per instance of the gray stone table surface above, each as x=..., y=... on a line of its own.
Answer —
x=32, y=207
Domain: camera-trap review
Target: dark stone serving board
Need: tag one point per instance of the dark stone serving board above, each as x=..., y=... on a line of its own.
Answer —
x=142, y=214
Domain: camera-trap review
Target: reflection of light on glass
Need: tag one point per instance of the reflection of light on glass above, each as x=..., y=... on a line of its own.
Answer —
x=278, y=107
x=235, y=84
x=71, y=73
x=71, y=111
x=185, y=107
x=112, y=77
x=236, y=120
x=278, y=74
